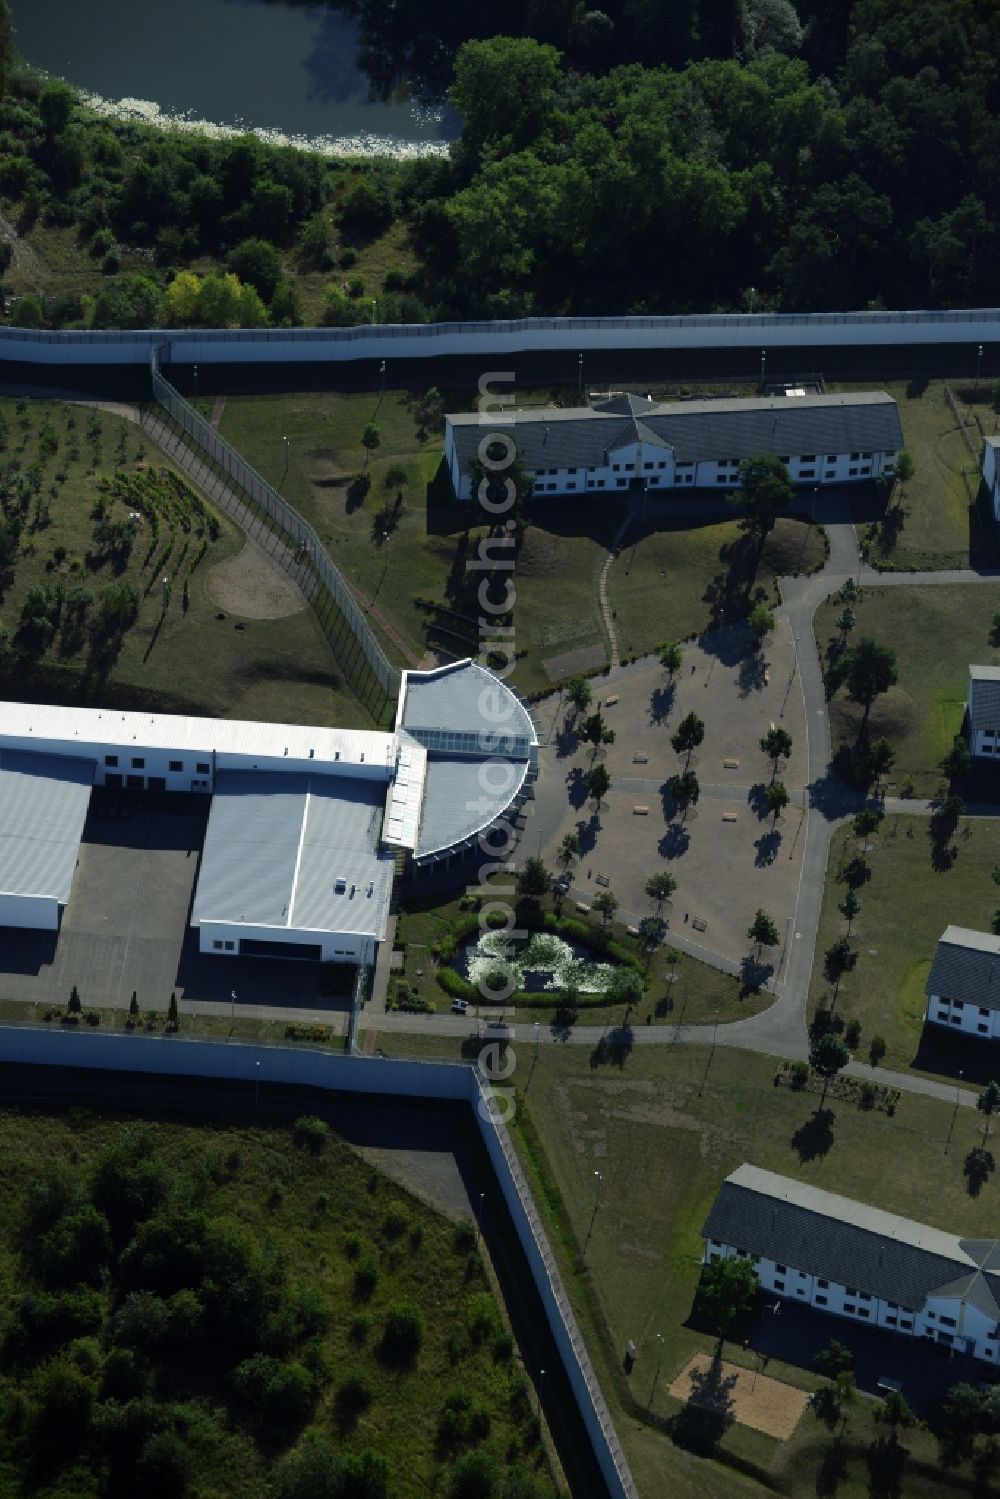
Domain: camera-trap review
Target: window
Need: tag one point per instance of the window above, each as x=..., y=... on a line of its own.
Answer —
x=890, y=1321
x=823, y=1283
x=111, y=759
x=959, y=1004
x=781, y=1270
x=615, y=468
x=948, y=1322
x=807, y=473
x=217, y=946
x=821, y=1300
x=138, y=763
x=850, y=1291
x=622, y=483
x=945, y=1004
x=808, y=458
x=830, y=474
x=905, y=1326
x=648, y=465
x=864, y=1296
x=202, y=768
x=983, y=1030
x=983, y=1012
x=866, y=455
x=852, y=473
x=931, y=1316
x=855, y=457
x=779, y=1285
x=176, y=765
x=866, y=468
x=661, y=465
x=230, y=947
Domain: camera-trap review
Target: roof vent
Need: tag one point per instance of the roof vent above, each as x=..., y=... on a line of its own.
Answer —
x=286, y=749
x=362, y=757
x=371, y=888
x=336, y=754
x=339, y=886
x=312, y=754
x=353, y=888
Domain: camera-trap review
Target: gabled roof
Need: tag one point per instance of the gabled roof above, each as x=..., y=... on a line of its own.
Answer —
x=696, y=431
x=850, y=1243
x=984, y=697
x=966, y=966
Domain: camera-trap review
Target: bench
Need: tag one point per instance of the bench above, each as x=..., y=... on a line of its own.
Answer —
x=729, y=816
x=582, y=906
x=609, y=702
x=602, y=879
x=640, y=759
x=730, y=764
x=640, y=811
x=700, y=924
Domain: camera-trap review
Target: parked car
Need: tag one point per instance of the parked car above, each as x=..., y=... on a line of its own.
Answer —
x=460, y=1006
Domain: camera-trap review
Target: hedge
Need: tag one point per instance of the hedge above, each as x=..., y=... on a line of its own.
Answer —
x=545, y=999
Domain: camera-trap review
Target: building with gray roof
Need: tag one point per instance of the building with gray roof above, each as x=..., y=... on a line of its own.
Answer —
x=293, y=867
x=982, y=719
x=963, y=986
x=822, y=439
x=43, y=806
x=859, y=1262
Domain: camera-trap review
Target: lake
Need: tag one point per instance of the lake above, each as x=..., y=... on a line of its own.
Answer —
x=289, y=71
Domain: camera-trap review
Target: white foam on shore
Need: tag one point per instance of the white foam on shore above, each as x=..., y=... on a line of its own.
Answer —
x=146, y=112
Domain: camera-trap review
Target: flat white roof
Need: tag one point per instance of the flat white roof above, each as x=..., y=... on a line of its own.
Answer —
x=985, y=673
x=172, y=731
x=43, y=807
x=964, y=936
x=406, y=795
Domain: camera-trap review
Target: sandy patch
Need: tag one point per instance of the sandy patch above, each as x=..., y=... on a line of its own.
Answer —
x=254, y=587
x=752, y=1399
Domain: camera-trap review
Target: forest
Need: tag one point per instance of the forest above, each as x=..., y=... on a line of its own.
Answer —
x=708, y=155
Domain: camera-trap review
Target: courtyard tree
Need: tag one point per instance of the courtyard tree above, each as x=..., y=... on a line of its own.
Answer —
x=881, y=758
x=727, y=1290
x=371, y=438
x=74, y=1006
x=765, y=491
x=777, y=799
x=987, y=1103
x=896, y=1412
x=568, y=852
x=870, y=671
x=595, y=731
x=690, y=733
x=831, y=1403
x=660, y=887
x=598, y=784
x=834, y=1359
x=671, y=657
x=877, y=1049
x=606, y=904
x=865, y=823
x=846, y=620
x=625, y=988
x=763, y=932
x=133, y=1006
x=652, y=931
x=839, y=959
x=850, y=905
x=578, y=694
x=761, y=622
x=776, y=745
x=827, y=1056
x=173, y=1017
x=685, y=790
x=534, y=880
x=905, y=470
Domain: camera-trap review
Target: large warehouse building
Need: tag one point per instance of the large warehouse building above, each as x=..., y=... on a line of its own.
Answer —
x=306, y=824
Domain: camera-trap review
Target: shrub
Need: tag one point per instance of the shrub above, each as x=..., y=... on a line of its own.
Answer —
x=481, y=1316
x=799, y=1075
x=852, y=1033
x=395, y=1224
x=876, y=1050
x=311, y=1133
x=355, y=1392
x=365, y=1277
x=360, y=1327
x=402, y=1332
x=868, y=1094
x=352, y=1246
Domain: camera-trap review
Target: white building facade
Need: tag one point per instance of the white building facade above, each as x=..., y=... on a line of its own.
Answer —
x=906, y=1277
x=990, y=472
x=982, y=719
x=628, y=440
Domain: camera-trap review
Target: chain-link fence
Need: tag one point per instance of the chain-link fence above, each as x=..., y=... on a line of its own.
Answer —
x=259, y=510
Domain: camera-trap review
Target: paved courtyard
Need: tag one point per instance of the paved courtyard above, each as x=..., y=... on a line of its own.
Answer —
x=726, y=855
x=126, y=925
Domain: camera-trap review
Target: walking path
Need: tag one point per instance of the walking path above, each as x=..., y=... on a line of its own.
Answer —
x=602, y=593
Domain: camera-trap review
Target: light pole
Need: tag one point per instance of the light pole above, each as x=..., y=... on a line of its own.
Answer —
x=579, y=376
x=381, y=379
x=479, y=1220
x=979, y=362
x=753, y=293
x=954, y=1116
x=195, y=372
x=659, y=1360
x=374, y=305
x=763, y=366
x=256, y=1091
x=284, y=472
x=232, y=1006
x=791, y=679
x=598, y=1183
x=538, y=1394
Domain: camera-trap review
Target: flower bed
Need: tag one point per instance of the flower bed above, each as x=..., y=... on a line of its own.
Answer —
x=864, y=1092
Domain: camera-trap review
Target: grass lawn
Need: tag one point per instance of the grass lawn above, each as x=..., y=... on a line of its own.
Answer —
x=936, y=633
x=679, y=989
x=669, y=581
x=905, y=906
x=663, y=1131
x=279, y=669
x=939, y=526
x=319, y=1216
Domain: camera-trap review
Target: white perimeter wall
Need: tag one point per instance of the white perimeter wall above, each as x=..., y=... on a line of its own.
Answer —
x=495, y=340
x=337, y=947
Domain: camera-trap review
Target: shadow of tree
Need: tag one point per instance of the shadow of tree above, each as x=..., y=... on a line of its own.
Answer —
x=855, y=873
x=613, y=1048
x=814, y=1138
x=757, y=799
x=587, y=833
x=661, y=702
x=754, y=974
x=675, y=841
x=886, y=1463
x=576, y=785
x=708, y=1411
x=753, y=674
x=977, y=1169
x=832, y=1469
x=767, y=846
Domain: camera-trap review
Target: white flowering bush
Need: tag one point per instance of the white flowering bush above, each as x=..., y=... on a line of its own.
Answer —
x=496, y=953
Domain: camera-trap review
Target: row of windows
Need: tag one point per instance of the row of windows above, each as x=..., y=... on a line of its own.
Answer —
x=224, y=946
x=138, y=763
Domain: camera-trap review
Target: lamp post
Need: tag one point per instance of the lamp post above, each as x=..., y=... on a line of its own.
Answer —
x=763, y=368
x=659, y=1360
x=381, y=379
x=284, y=472
x=979, y=362
x=374, y=305
x=232, y=1006
x=954, y=1115
x=479, y=1220
x=256, y=1090
x=579, y=376
x=195, y=373
x=753, y=293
